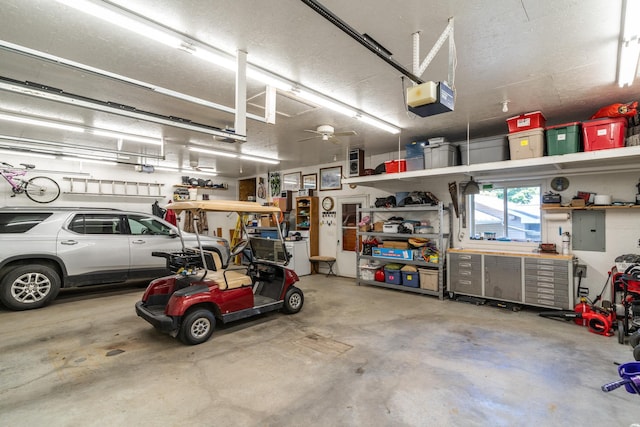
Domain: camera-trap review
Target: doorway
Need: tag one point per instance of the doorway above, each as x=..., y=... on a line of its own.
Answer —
x=348, y=242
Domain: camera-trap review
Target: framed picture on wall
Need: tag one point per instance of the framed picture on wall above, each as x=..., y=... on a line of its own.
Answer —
x=310, y=182
x=292, y=181
x=331, y=178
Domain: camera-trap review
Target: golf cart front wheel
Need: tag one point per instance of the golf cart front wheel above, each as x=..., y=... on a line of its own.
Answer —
x=197, y=327
x=293, y=300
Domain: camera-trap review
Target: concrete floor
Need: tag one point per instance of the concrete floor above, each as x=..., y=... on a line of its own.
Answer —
x=353, y=356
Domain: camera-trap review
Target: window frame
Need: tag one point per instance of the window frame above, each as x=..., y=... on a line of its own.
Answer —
x=505, y=186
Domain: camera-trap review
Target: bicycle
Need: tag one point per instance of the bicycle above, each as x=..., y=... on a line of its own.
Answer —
x=40, y=189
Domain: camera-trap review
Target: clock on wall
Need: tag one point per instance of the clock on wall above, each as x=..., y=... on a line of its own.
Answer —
x=327, y=204
x=560, y=183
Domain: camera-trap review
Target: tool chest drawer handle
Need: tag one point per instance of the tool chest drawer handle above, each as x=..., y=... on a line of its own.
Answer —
x=464, y=256
x=464, y=273
x=464, y=282
x=464, y=264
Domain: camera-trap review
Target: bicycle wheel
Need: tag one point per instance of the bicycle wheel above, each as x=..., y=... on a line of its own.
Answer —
x=41, y=189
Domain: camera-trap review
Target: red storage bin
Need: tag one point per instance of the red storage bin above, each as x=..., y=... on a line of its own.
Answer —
x=394, y=166
x=601, y=134
x=526, y=121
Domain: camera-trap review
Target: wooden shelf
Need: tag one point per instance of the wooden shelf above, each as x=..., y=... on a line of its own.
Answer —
x=587, y=208
x=200, y=188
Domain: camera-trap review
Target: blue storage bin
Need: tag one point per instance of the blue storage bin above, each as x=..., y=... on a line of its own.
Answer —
x=393, y=277
x=411, y=279
x=415, y=149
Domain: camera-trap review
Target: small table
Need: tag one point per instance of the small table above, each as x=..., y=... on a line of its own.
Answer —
x=317, y=259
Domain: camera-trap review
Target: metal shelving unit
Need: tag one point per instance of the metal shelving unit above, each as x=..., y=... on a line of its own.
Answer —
x=438, y=215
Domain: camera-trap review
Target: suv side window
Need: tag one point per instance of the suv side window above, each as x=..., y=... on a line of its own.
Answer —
x=139, y=224
x=21, y=222
x=95, y=224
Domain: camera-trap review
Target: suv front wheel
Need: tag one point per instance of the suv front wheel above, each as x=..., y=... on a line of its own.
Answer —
x=29, y=286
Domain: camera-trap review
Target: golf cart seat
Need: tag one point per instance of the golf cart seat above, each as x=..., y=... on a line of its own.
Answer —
x=227, y=279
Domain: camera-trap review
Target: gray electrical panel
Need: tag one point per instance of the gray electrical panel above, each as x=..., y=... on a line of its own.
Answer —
x=588, y=231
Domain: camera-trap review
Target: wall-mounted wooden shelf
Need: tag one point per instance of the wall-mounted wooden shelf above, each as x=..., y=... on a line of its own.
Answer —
x=587, y=208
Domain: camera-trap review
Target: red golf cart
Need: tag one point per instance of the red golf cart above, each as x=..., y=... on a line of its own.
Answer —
x=202, y=290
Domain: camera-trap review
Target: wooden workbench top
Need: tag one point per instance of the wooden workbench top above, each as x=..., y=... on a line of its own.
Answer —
x=517, y=254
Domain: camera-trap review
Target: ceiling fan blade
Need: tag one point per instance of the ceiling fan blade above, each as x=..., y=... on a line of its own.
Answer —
x=313, y=131
x=334, y=140
x=346, y=133
x=308, y=139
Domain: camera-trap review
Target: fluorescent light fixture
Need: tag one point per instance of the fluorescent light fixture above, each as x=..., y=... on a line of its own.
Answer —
x=325, y=102
x=260, y=159
x=379, y=124
x=200, y=172
x=166, y=169
x=629, y=43
x=212, y=152
x=126, y=136
x=27, y=154
x=206, y=169
x=40, y=122
x=125, y=20
x=169, y=37
x=214, y=57
x=85, y=160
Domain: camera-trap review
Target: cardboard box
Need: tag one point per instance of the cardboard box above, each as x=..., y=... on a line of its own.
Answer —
x=578, y=203
x=378, y=226
x=428, y=279
x=390, y=253
x=395, y=245
x=266, y=221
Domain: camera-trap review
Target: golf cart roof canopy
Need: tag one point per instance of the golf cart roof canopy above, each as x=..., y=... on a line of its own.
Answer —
x=222, y=206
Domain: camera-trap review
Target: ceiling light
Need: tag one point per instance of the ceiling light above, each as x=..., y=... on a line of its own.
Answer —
x=325, y=102
x=27, y=154
x=201, y=172
x=147, y=28
x=505, y=106
x=40, y=122
x=213, y=152
x=85, y=160
x=260, y=159
x=629, y=43
x=125, y=20
x=205, y=169
x=126, y=136
x=379, y=124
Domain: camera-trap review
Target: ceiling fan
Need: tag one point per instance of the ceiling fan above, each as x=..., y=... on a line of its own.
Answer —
x=327, y=133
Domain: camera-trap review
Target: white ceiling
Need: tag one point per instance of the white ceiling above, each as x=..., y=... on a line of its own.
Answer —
x=557, y=57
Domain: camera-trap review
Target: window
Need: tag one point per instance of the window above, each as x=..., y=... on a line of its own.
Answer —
x=20, y=222
x=507, y=213
x=147, y=225
x=95, y=224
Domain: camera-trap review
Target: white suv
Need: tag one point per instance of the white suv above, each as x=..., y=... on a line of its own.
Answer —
x=45, y=249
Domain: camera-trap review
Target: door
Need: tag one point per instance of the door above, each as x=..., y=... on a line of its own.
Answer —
x=148, y=235
x=94, y=249
x=348, y=242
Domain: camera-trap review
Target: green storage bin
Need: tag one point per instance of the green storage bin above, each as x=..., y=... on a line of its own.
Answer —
x=563, y=139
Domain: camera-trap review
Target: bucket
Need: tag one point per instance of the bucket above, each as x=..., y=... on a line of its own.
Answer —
x=628, y=370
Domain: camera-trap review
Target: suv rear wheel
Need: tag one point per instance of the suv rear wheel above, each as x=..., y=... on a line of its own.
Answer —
x=29, y=286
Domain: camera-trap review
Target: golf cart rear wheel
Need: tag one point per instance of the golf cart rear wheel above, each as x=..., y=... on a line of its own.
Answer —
x=293, y=300
x=197, y=327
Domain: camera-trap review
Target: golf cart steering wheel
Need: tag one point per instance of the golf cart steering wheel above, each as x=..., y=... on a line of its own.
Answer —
x=239, y=247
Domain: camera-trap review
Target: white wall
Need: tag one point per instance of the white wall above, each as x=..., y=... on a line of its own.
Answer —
x=59, y=169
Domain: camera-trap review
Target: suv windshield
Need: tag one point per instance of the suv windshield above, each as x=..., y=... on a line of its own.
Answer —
x=21, y=222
